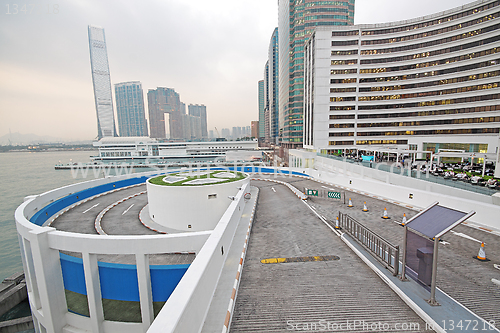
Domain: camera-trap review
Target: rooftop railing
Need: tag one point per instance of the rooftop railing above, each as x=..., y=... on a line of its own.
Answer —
x=386, y=253
x=416, y=174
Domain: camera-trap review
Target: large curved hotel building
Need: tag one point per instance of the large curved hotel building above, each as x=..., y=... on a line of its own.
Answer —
x=428, y=83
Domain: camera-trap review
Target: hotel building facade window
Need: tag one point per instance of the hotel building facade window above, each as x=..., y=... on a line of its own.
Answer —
x=430, y=83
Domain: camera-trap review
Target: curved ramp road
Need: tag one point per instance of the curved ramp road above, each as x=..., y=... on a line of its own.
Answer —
x=122, y=219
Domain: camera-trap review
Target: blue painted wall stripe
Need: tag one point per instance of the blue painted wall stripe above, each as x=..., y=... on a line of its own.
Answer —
x=119, y=281
x=41, y=216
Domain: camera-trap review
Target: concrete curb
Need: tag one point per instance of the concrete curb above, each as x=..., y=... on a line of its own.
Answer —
x=236, y=284
x=88, y=199
x=147, y=226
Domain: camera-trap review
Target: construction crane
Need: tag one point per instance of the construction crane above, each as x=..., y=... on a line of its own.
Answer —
x=218, y=135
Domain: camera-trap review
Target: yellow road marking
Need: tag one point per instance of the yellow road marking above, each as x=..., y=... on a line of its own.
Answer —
x=298, y=259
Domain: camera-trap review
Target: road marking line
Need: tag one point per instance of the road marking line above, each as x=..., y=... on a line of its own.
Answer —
x=125, y=212
x=322, y=220
x=465, y=236
x=97, y=204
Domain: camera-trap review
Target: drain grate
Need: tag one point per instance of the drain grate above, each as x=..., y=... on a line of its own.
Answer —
x=298, y=259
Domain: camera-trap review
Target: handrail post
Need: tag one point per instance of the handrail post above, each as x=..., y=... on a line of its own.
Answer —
x=403, y=265
x=396, y=261
x=432, y=300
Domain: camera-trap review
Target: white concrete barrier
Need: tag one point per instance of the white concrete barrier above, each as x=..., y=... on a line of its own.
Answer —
x=40, y=247
x=415, y=193
x=187, y=307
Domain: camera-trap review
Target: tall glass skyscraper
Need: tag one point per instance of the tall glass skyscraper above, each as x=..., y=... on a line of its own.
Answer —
x=296, y=22
x=262, y=118
x=273, y=88
x=130, y=109
x=102, y=83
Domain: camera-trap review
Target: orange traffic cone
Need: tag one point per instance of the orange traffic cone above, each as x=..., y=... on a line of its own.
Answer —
x=364, y=207
x=385, y=214
x=404, y=220
x=350, y=203
x=337, y=225
x=482, y=254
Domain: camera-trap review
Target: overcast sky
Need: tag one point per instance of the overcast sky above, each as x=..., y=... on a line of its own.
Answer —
x=210, y=52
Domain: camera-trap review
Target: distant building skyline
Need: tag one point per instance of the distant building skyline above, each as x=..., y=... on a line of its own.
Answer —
x=130, y=109
x=164, y=104
x=101, y=81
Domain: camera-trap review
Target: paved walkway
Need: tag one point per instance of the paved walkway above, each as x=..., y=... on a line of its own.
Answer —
x=460, y=275
x=313, y=294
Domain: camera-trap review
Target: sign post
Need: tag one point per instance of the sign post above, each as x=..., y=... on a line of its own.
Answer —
x=312, y=193
x=334, y=195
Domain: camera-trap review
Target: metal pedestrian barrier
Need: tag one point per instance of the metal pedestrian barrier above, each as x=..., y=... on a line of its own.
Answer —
x=386, y=253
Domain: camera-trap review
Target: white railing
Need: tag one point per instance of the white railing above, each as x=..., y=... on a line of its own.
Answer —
x=40, y=248
x=187, y=307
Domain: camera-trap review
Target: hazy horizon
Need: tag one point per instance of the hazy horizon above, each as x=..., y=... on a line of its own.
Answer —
x=210, y=52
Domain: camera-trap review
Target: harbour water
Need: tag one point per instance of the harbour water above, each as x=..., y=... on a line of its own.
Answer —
x=27, y=173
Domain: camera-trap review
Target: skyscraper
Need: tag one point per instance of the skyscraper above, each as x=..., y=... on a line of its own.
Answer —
x=261, y=134
x=102, y=82
x=200, y=111
x=255, y=129
x=273, y=88
x=130, y=109
x=161, y=101
x=267, y=133
x=296, y=22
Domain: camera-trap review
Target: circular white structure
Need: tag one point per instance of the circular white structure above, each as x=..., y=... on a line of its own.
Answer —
x=192, y=201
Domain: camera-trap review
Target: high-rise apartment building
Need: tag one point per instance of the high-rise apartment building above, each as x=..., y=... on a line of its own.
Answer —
x=201, y=112
x=267, y=132
x=261, y=134
x=130, y=109
x=273, y=88
x=163, y=101
x=254, y=132
x=191, y=127
x=102, y=82
x=296, y=22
